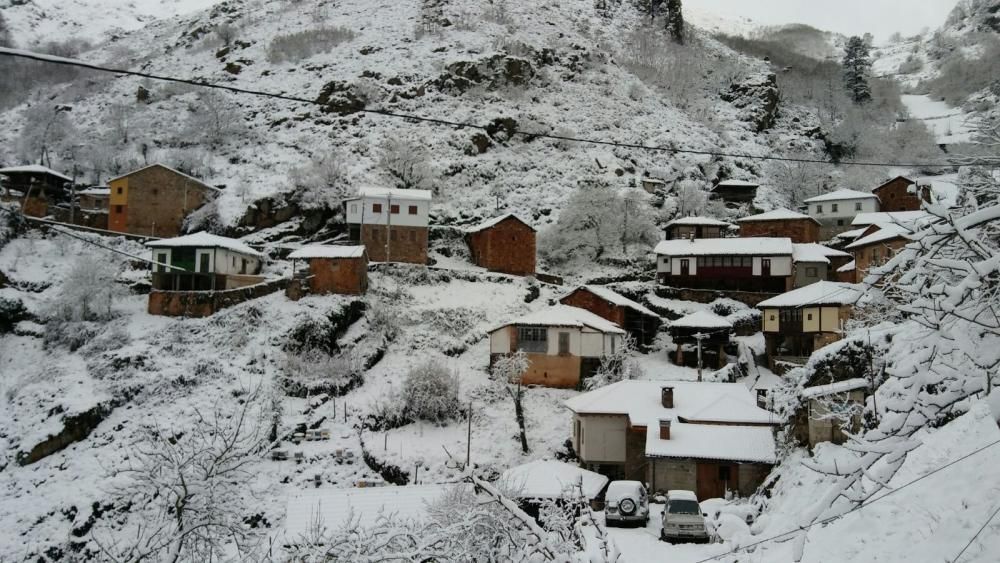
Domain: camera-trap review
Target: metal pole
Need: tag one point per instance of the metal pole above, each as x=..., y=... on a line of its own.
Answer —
x=699, y=336
x=468, y=439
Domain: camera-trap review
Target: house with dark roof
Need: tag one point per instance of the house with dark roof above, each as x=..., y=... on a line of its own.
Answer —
x=735, y=192
x=696, y=227
x=503, y=244
x=34, y=187
x=635, y=318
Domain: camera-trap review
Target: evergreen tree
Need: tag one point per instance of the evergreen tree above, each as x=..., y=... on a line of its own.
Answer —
x=857, y=66
x=675, y=20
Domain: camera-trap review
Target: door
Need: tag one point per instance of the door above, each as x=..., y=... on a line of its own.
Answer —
x=714, y=479
x=204, y=262
x=563, y=343
x=685, y=267
x=765, y=267
x=163, y=260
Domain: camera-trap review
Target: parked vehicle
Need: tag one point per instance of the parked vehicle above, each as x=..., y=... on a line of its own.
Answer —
x=683, y=519
x=626, y=502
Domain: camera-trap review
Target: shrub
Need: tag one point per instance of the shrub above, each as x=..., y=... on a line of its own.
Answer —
x=430, y=392
x=12, y=311
x=304, y=44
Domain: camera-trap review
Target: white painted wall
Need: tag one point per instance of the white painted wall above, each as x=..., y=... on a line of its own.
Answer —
x=603, y=438
x=780, y=265
x=220, y=261
x=359, y=211
x=587, y=343
x=500, y=341
x=846, y=208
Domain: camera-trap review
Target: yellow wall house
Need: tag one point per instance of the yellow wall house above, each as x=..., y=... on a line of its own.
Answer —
x=797, y=323
x=154, y=201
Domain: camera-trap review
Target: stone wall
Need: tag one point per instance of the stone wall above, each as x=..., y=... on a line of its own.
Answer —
x=345, y=276
x=799, y=230
x=205, y=303
x=156, y=202
x=407, y=244
x=751, y=477
x=507, y=247
x=667, y=474
x=895, y=196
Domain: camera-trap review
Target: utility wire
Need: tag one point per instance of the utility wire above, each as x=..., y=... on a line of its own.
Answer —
x=39, y=57
x=973, y=540
x=854, y=509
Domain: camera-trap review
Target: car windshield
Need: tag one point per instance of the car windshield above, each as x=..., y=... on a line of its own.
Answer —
x=683, y=507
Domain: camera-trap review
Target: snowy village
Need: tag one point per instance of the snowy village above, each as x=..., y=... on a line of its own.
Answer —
x=603, y=281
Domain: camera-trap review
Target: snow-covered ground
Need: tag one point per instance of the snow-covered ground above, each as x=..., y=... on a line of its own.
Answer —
x=948, y=125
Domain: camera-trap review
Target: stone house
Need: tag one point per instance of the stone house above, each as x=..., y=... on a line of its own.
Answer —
x=735, y=192
x=710, y=438
x=329, y=269
x=564, y=344
x=736, y=264
x=636, y=319
x=828, y=408
x=392, y=224
x=835, y=211
x=696, y=227
x=715, y=334
x=902, y=194
x=155, y=201
x=503, y=244
x=35, y=188
x=94, y=199
x=815, y=262
x=801, y=321
x=781, y=223
x=877, y=245
x=188, y=270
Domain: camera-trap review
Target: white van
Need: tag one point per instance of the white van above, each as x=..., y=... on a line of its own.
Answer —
x=626, y=502
x=682, y=518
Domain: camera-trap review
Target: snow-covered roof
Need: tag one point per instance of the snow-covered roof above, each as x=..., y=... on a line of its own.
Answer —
x=833, y=388
x=727, y=409
x=752, y=246
x=640, y=401
x=335, y=506
x=885, y=232
x=204, y=240
x=849, y=267
x=813, y=252
x=701, y=319
x=702, y=221
x=776, y=215
x=327, y=251
x=753, y=444
x=178, y=172
x=394, y=193
x=613, y=297
x=95, y=192
x=815, y=294
x=738, y=184
x=893, y=179
x=564, y=315
x=496, y=221
x=549, y=479
x=841, y=195
x=850, y=235
x=34, y=169
x=907, y=218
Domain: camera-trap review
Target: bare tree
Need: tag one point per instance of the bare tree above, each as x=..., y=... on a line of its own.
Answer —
x=117, y=120
x=509, y=371
x=407, y=163
x=46, y=129
x=616, y=366
x=215, y=119
x=187, y=487
x=322, y=183
x=799, y=181
x=226, y=33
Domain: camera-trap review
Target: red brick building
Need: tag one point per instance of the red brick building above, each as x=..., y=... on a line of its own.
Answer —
x=331, y=269
x=781, y=223
x=902, y=194
x=637, y=320
x=876, y=246
x=503, y=244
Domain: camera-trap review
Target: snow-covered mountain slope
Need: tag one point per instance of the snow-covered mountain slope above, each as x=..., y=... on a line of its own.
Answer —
x=95, y=21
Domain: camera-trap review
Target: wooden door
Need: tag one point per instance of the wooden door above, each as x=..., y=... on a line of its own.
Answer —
x=685, y=267
x=765, y=266
x=204, y=262
x=715, y=478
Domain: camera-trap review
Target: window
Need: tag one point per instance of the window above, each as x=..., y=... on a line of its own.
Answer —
x=772, y=317
x=234, y=261
x=809, y=316
x=727, y=262
x=834, y=208
x=533, y=339
x=121, y=191
x=243, y=266
x=811, y=272
x=376, y=208
x=563, y=343
x=119, y=208
x=840, y=222
x=413, y=210
x=394, y=209
x=819, y=209
x=413, y=236
x=857, y=206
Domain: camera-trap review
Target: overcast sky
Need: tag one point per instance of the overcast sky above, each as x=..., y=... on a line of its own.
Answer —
x=850, y=17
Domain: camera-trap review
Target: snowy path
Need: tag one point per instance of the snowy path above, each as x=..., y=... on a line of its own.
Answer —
x=949, y=125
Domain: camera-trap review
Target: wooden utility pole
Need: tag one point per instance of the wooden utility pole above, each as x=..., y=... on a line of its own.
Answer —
x=388, y=224
x=468, y=439
x=699, y=337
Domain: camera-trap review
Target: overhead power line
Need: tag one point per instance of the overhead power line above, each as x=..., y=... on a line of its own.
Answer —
x=49, y=59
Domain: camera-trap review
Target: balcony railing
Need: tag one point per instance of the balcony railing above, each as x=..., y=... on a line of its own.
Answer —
x=188, y=281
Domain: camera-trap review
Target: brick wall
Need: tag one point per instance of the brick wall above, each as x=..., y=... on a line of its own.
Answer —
x=586, y=300
x=876, y=254
x=347, y=276
x=507, y=247
x=799, y=230
x=667, y=474
x=205, y=303
x=407, y=244
x=894, y=195
x=157, y=202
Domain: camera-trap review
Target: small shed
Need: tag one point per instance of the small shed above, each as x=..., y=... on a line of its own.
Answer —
x=331, y=269
x=35, y=187
x=831, y=407
x=503, y=244
x=715, y=334
x=696, y=227
x=735, y=191
x=635, y=318
x=542, y=480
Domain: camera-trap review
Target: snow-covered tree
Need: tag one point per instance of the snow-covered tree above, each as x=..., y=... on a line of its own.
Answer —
x=46, y=131
x=407, y=163
x=430, y=392
x=799, y=181
x=675, y=20
x=322, y=183
x=616, y=366
x=857, y=68
x=88, y=291
x=188, y=486
x=215, y=119
x=509, y=370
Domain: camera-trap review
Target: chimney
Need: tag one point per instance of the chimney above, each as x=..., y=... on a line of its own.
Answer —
x=667, y=397
x=664, y=428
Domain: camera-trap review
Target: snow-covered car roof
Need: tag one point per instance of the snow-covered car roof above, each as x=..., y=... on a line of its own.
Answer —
x=679, y=494
x=621, y=489
x=751, y=246
x=327, y=251
x=204, y=240
x=550, y=479
x=815, y=294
